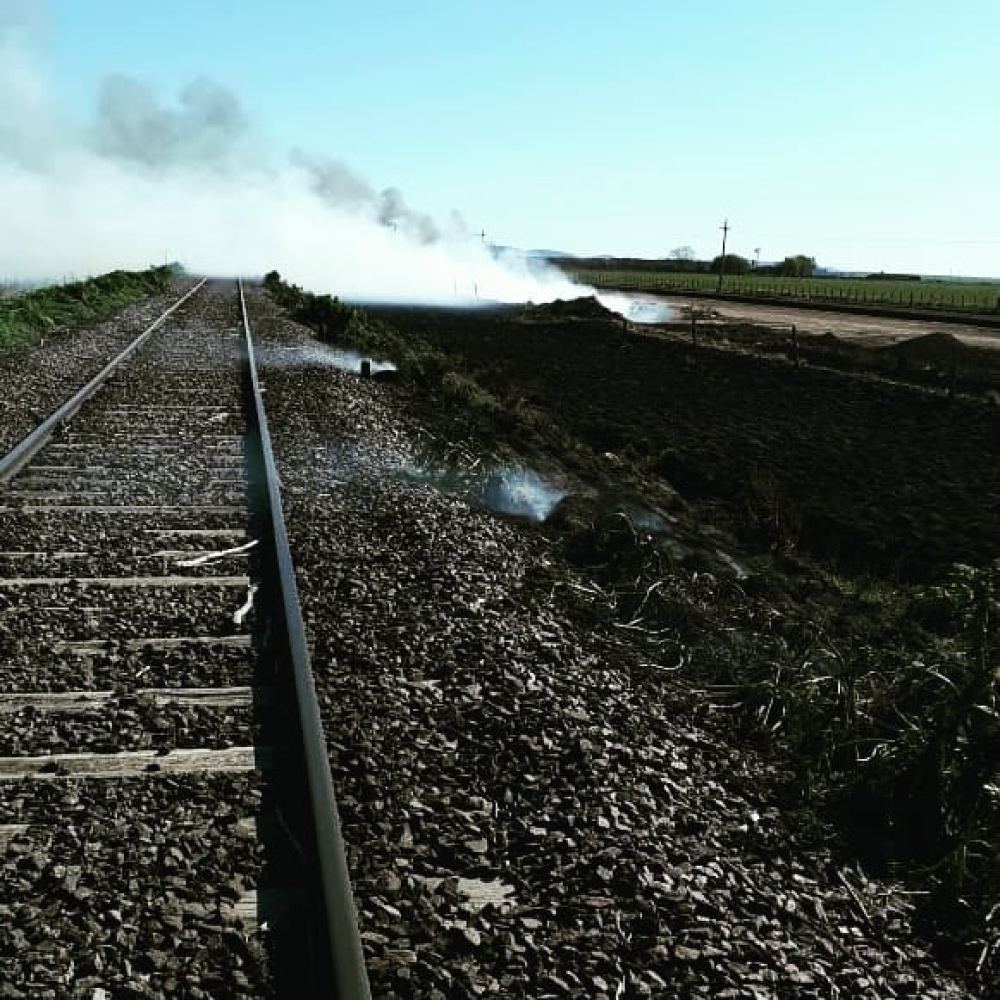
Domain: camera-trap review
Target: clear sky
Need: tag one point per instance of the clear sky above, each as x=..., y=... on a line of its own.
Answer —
x=866, y=134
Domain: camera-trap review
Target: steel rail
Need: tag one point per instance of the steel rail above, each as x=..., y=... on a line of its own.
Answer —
x=25, y=451
x=348, y=974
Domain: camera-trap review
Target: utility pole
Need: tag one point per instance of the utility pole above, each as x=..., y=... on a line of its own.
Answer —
x=725, y=227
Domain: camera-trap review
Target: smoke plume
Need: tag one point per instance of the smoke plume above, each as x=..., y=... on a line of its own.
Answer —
x=336, y=184
x=207, y=128
x=146, y=180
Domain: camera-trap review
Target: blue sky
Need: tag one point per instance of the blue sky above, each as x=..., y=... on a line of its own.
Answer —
x=865, y=134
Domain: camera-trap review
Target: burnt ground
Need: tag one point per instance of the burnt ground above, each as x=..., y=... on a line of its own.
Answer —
x=566, y=759
x=878, y=476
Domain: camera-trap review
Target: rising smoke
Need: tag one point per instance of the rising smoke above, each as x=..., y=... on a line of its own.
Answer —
x=147, y=180
x=207, y=128
x=336, y=184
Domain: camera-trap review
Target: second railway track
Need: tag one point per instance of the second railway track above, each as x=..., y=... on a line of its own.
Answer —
x=156, y=831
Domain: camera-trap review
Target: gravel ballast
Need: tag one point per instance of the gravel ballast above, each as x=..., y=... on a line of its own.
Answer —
x=35, y=379
x=129, y=887
x=131, y=799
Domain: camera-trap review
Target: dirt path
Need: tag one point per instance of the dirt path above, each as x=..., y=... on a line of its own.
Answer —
x=874, y=331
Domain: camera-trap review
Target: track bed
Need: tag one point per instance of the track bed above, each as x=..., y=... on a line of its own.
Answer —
x=144, y=849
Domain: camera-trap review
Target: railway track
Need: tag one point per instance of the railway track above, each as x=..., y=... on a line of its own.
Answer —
x=528, y=815
x=167, y=822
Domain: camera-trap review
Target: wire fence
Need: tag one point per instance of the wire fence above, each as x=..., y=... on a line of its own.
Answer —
x=951, y=296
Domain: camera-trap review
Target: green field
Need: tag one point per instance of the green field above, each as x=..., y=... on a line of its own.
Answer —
x=948, y=296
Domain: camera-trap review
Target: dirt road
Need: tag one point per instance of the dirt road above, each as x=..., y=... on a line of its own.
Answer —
x=875, y=331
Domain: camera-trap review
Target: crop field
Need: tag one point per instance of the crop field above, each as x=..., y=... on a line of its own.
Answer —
x=947, y=296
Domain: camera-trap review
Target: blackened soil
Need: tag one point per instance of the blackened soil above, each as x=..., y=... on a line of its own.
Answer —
x=880, y=477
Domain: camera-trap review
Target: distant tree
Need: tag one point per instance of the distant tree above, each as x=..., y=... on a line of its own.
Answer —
x=798, y=266
x=735, y=264
x=684, y=259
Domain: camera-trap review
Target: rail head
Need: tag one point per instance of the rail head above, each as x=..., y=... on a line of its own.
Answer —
x=23, y=452
x=349, y=974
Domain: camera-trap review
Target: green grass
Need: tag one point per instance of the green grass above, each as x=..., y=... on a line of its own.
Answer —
x=949, y=296
x=28, y=317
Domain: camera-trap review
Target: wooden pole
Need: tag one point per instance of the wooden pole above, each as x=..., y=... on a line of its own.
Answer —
x=725, y=227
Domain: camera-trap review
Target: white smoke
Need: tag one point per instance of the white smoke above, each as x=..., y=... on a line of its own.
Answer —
x=147, y=181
